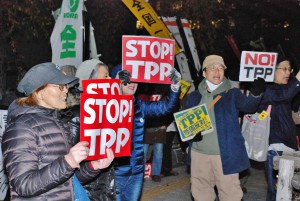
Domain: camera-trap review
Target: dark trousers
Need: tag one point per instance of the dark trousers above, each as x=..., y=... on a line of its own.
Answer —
x=167, y=152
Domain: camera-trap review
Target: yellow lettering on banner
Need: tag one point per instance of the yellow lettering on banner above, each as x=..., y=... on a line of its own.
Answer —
x=149, y=19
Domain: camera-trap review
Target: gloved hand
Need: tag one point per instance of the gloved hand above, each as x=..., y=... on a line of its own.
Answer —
x=198, y=137
x=175, y=77
x=124, y=76
x=259, y=86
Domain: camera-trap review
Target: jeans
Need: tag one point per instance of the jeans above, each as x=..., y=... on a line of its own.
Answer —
x=157, y=157
x=129, y=188
x=271, y=175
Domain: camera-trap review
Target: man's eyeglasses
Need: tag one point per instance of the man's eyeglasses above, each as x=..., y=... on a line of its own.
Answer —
x=286, y=69
x=215, y=68
x=62, y=86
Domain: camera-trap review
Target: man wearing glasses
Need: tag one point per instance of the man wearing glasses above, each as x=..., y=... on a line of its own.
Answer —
x=218, y=157
x=282, y=127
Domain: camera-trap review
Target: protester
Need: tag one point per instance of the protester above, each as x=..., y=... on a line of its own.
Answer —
x=92, y=68
x=102, y=187
x=129, y=171
x=282, y=128
x=73, y=96
x=219, y=156
x=155, y=129
x=156, y=136
x=37, y=147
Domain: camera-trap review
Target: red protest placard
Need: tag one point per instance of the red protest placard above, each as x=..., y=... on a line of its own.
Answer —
x=101, y=86
x=106, y=121
x=147, y=58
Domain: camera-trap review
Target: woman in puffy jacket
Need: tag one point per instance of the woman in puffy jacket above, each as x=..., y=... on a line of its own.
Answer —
x=37, y=147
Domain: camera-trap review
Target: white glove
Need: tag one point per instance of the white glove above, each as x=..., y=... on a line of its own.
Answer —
x=175, y=77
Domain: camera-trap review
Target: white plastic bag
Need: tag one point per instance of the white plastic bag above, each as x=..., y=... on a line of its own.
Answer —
x=256, y=130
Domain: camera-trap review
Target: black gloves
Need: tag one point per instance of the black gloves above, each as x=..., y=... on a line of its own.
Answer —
x=198, y=137
x=124, y=76
x=259, y=86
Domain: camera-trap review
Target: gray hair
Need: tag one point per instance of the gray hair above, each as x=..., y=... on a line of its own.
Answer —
x=95, y=71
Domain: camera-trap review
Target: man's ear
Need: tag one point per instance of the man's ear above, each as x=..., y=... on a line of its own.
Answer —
x=203, y=73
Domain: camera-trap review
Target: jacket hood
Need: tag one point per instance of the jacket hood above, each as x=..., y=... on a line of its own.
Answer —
x=16, y=110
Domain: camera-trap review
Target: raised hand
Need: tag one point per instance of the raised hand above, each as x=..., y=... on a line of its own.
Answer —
x=259, y=86
x=175, y=77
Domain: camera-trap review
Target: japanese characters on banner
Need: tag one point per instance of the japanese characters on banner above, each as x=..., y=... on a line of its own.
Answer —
x=149, y=19
x=192, y=121
x=257, y=64
x=66, y=38
x=148, y=59
x=106, y=118
x=3, y=177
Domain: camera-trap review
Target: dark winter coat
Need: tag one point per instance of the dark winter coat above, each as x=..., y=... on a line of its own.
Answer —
x=34, y=144
x=282, y=126
x=231, y=142
x=134, y=164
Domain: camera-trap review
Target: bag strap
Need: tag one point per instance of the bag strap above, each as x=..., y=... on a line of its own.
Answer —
x=216, y=99
x=214, y=102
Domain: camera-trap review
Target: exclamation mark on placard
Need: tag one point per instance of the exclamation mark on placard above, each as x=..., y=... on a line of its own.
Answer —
x=273, y=59
x=171, y=51
x=130, y=111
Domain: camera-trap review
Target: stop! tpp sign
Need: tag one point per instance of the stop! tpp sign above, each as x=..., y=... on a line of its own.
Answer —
x=257, y=64
x=148, y=59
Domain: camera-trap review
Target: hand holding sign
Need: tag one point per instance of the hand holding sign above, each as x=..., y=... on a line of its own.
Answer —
x=198, y=137
x=104, y=163
x=175, y=77
x=77, y=153
x=259, y=86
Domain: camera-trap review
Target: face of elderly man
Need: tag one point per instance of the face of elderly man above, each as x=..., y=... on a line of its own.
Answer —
x=214, y=73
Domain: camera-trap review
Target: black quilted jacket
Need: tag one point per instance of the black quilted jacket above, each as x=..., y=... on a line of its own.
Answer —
x=34, y=144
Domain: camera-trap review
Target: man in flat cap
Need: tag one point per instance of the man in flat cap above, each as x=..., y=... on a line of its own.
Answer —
x=218, y=157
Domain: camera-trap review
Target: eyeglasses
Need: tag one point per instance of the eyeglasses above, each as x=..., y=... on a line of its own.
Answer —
x=61, y=86
x=127, y=83
x=215, y=68
x=286, y=69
